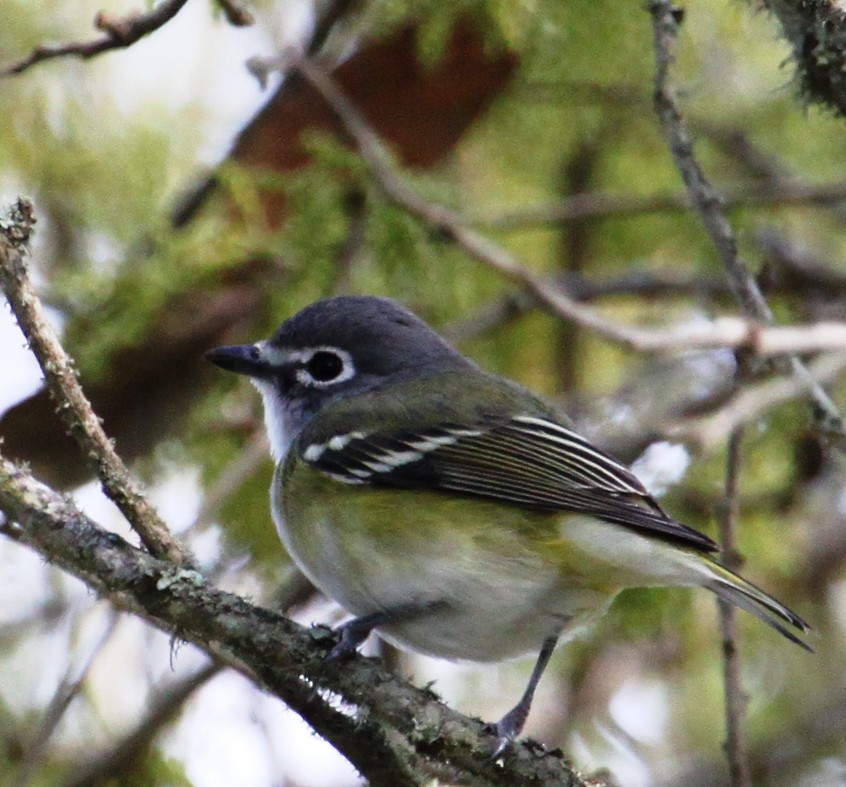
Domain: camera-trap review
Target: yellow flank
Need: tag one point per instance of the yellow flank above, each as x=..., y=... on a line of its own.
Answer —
x=475, y=560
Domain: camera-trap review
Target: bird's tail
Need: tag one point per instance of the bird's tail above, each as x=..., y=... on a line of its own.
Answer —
x=738, y=591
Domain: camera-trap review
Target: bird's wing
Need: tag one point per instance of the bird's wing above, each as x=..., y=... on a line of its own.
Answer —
x=526, y=461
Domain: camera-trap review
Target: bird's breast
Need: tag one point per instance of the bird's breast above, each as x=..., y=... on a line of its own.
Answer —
x=483, y=575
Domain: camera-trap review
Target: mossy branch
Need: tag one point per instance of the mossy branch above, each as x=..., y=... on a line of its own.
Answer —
x=816, y=32
x=392, y=732
x=71, y=403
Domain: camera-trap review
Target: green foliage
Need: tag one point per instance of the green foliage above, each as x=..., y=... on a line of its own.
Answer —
x=154, y=770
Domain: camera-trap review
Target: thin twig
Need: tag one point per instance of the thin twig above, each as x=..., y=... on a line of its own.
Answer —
x=63, y=384
x=764, y=165
x=736, y=747
x=708, y=432
x=705, y=199
x=599, y=205
x=68, y=688
x=242, y=467
x=235, y=13
x=332, y=13
x=709, y=204
x=444, y=221
x=120, y=758
x=120, y=32
x=789, y=275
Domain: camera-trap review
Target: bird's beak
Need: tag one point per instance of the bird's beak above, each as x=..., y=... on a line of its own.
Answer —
x=240, y=358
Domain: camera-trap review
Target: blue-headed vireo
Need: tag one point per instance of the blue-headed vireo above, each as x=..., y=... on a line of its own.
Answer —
x=449, y=508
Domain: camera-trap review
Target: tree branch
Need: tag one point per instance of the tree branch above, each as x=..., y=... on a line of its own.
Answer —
x=393, y=733
x=120, y=32
x=787, y=274
x=63, y=384
x=235, y=13
x=599, y=205
x=736, y=747
x=705, y=199
x=708, y=432
x=708, y=202
x=120, y=758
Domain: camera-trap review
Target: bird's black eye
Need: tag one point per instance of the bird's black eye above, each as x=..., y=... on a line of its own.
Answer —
x=324, y=366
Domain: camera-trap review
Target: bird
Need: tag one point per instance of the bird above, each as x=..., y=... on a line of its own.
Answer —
x=450, y=509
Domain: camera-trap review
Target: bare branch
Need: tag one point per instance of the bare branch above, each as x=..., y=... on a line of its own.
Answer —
x=740, y=334
x=444, y=221
x=705, y=199
x=120, y=32
x=708, y=202
x=63, y=384
x=235, y=13
x=330, y=16
x=787, y=274
x=709, y=432
x=68, y=688
x=598, y=205
x=121, y=757
x=736, y=747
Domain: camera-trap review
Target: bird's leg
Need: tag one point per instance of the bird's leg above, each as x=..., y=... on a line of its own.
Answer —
x=511, y=725
x=355, y=631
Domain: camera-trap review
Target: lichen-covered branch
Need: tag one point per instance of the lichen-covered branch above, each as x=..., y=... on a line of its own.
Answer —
x=816, y=32
x=71, y=403
x=393, y=733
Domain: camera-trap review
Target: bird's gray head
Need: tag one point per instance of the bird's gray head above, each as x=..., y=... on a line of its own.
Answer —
x=334, y=348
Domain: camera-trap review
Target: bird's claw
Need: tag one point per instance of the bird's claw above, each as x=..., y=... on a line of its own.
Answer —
x=507, y=729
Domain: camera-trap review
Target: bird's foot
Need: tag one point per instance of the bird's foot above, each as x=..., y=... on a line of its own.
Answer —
x=351, y=635
x=508, y=728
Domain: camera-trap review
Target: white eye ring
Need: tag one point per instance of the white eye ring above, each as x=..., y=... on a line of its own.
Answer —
x=305, y=356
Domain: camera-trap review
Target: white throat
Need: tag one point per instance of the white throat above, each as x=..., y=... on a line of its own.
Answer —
x=277, y=420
